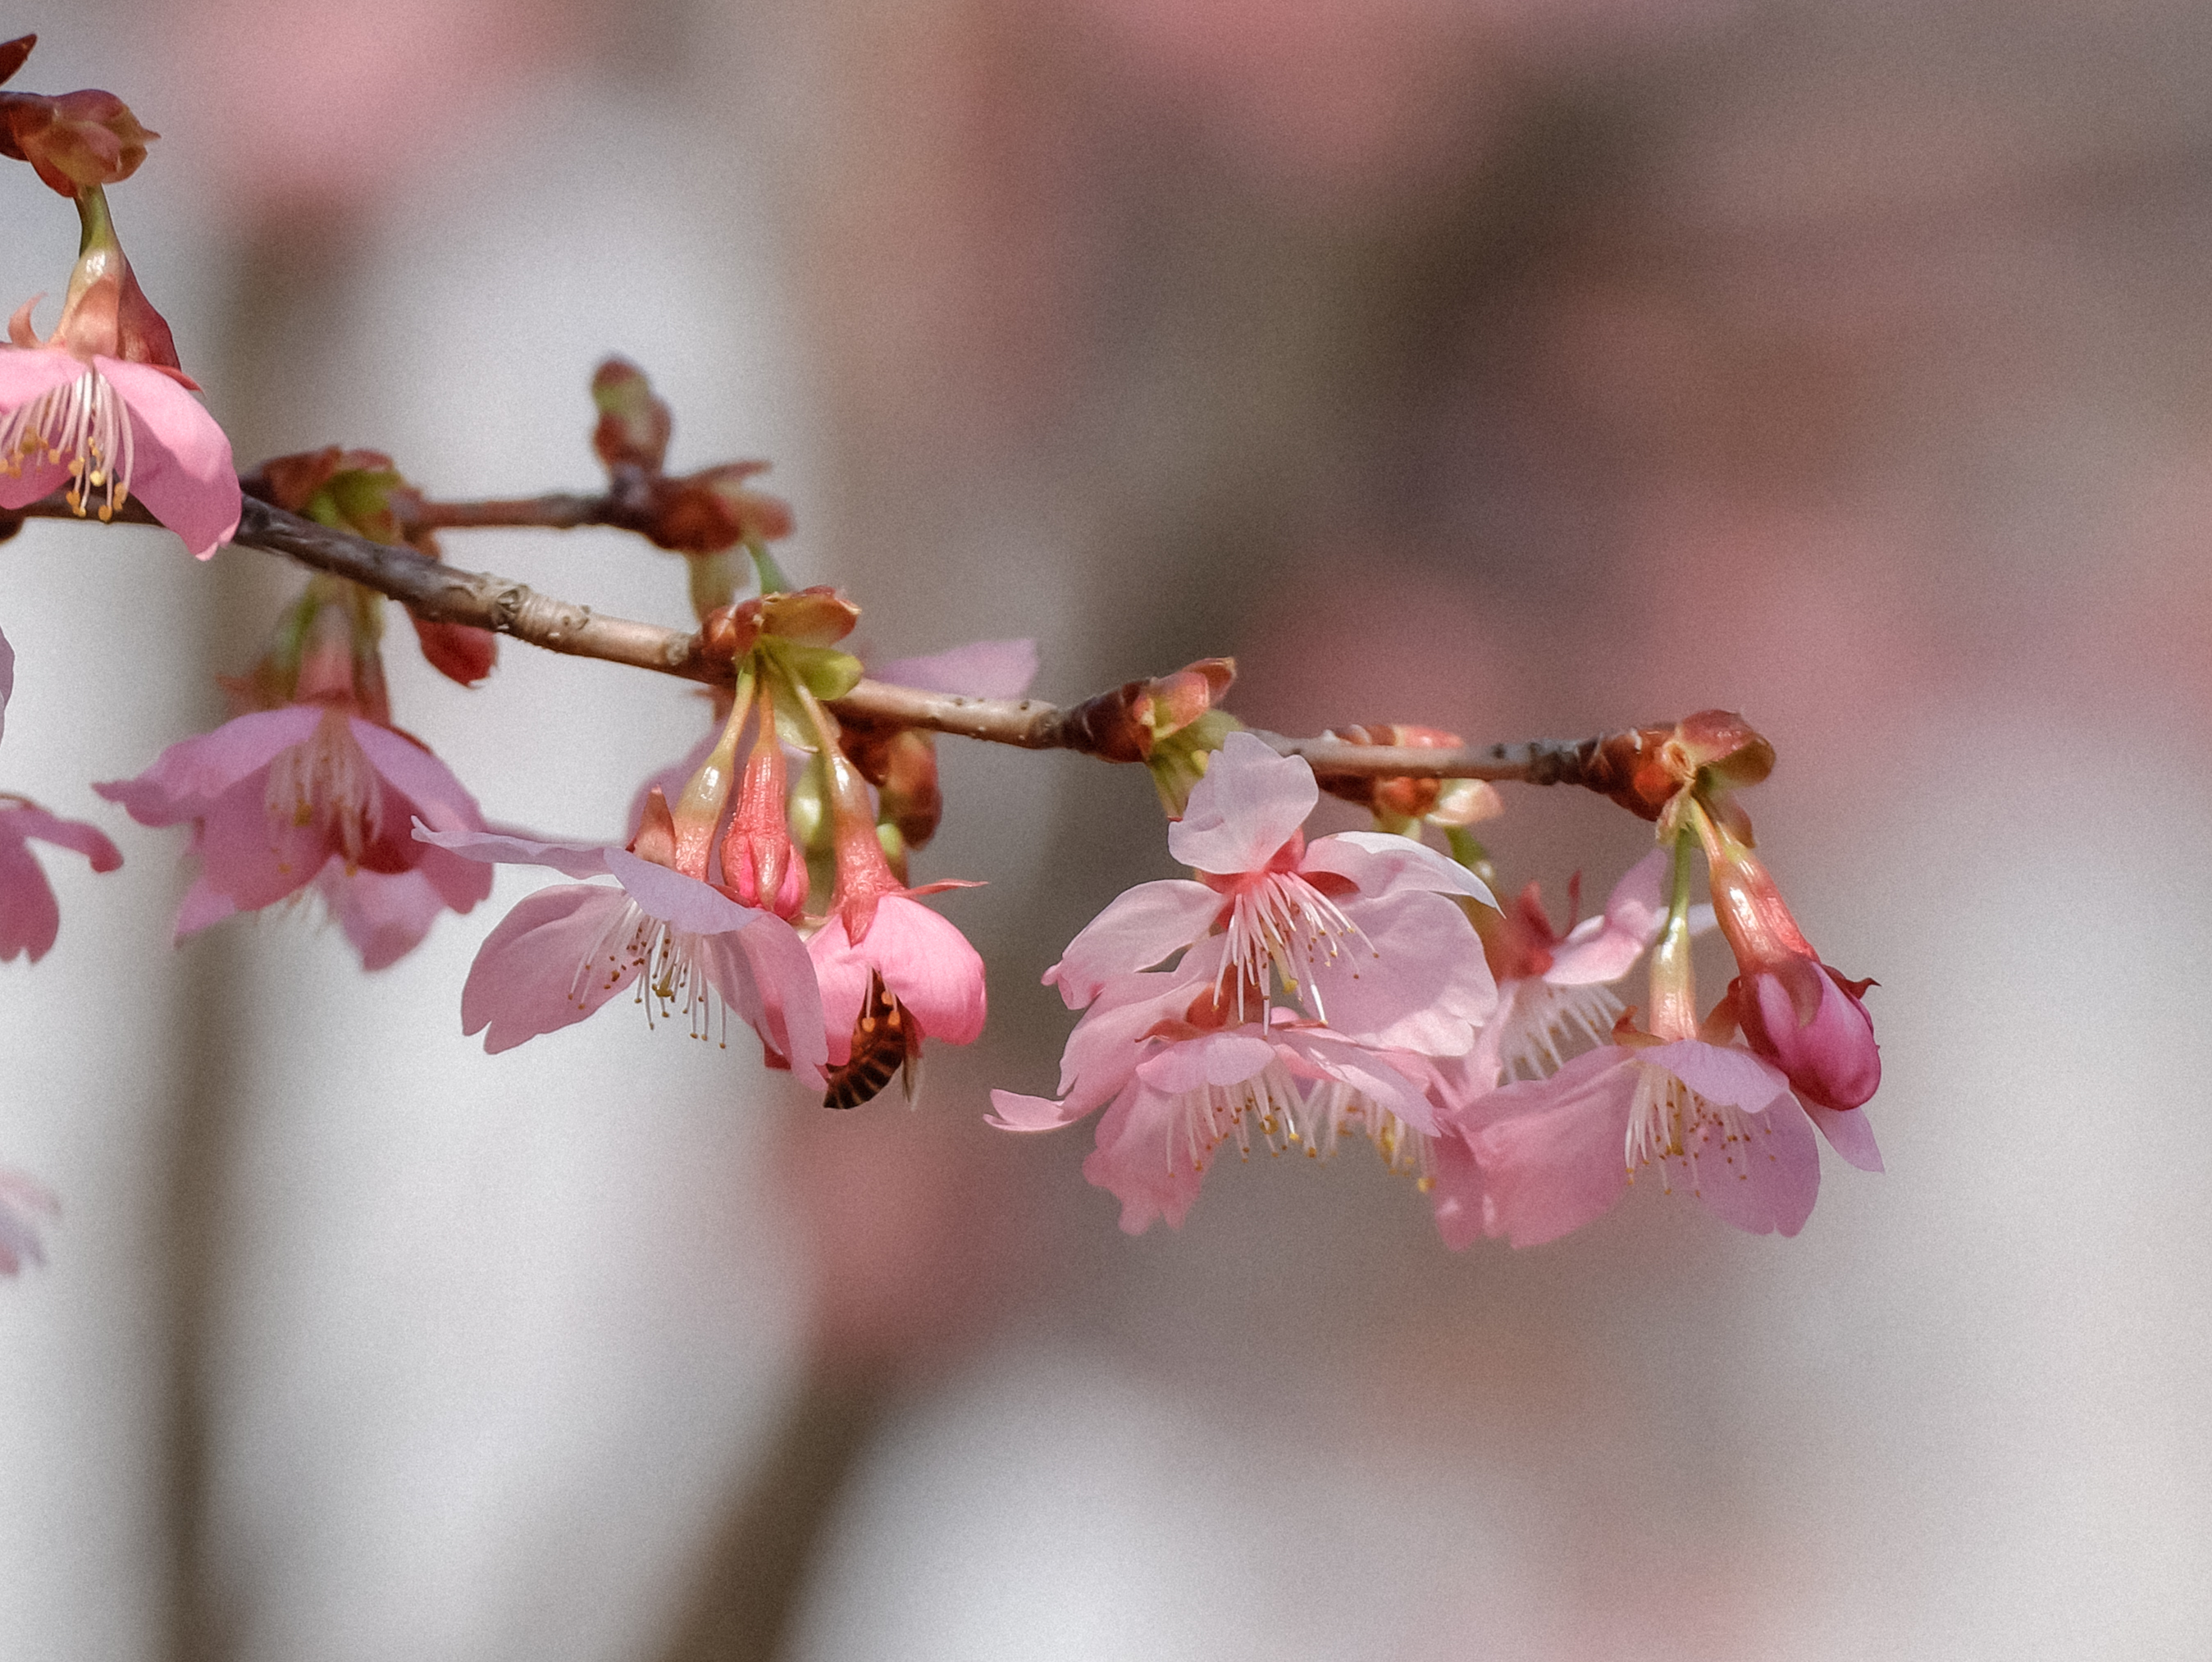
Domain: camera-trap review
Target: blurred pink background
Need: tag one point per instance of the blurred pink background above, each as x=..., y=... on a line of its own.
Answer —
x=1522, y=366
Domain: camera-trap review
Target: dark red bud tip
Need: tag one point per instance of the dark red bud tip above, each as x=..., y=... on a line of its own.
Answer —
x=458, y=651
x=9, y=525
x=12, y=54
x=633, y=425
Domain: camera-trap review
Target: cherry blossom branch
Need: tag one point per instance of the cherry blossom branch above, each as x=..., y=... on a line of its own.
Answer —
x=444, y=593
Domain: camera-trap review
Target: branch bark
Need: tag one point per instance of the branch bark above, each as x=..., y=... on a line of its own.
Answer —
x=446, y=593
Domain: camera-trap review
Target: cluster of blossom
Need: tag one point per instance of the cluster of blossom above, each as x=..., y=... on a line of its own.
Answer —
x=1297, y=991
x=1290, y=993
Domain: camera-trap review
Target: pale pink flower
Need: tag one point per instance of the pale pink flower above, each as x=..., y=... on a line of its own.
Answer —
x=100, y=406
x=1178, y=1080
x=1555, y=991
x=21, y=1202
x=282, y=798
x=1357, y=924
x=1712, y=1119
x=565, y=951
x=30, y=918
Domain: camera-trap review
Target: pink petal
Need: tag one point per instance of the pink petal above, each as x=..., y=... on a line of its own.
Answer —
x=1103, y=1052
x=459, y=883
x=1720, y=1073
x=505, y=848
x=925, y=961
x=1217, y=1059
x=1833, y=1059
x=683, y=902
x=1763, y=1184
x=1417, y=982
x=1141, y=1162
x=1553, y=1151
x=1250, y=803
x=188, y=777
x=981, y=669
x=20, y=1197
x=7, y=678
x=30, y=917
x=531, y=974
x=1848, y=1133
x=255, y=858
x=203, y=904
x=384, y=914
x=1605, y=948
x=32, y=372
x=1316, y=1053
x=765, y=973
x=1458, y=1195
x=428, y=784
x=76, y=835
x=181, y=467
x=39, y=480
x=1020, y=1113
x=1381, y=862
x=1139, y=929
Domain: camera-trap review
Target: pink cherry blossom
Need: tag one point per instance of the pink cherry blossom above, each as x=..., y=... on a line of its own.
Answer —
x=305, y=794
x=1553, y=990
x=1178, y=1080
x=565, y=951
x=1358, y=924
x=23, y=1200
x=7, y=679
x=925, y=963
x=30, y=918
x=1550, y=1155
x=102, y=406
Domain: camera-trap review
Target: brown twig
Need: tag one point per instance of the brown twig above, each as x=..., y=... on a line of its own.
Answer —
x=445, y=594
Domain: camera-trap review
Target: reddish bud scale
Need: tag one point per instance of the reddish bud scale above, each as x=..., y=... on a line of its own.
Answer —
x=901, y=763
x=1123, y=725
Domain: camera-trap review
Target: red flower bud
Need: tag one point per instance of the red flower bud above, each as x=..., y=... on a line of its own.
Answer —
x=76, y=140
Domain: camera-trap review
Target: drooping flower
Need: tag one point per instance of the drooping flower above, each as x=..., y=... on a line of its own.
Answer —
x=1356, y=924
x=23, y=1202
x=1179, y=1076
x=282, y=798
x=30, y=918
x=566, y=950
x=102, y=406
x=1555, y=990
x=877, y=933
x=1545, y=1156
x=1795, y=1011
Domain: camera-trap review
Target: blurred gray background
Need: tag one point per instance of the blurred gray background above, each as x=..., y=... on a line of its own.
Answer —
x=1525, y=368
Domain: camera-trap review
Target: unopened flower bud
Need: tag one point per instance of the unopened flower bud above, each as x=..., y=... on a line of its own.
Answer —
x=634, y=425
x=1795, y=1011
x=77, y=140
